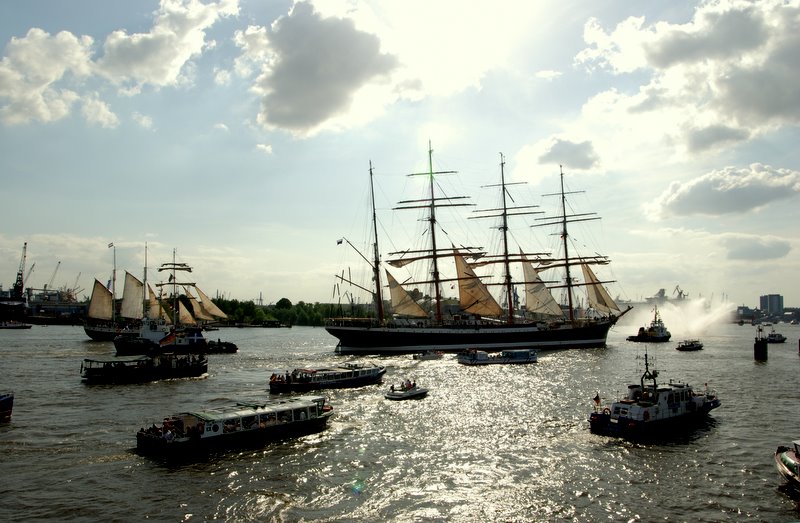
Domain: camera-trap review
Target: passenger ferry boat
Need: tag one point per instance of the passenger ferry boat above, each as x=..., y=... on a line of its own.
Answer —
x=689, y=345
x=142, y=369
x=241, y=425
x=479, y=357
x=787, y=460
x=347, y=375
x=649, y=408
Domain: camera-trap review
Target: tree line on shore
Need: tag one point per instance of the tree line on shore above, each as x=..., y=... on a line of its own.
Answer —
x=285, y=312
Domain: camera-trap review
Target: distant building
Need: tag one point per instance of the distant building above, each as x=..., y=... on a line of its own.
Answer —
x=771, y=304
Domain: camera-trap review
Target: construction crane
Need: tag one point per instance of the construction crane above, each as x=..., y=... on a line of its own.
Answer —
x=49, y=285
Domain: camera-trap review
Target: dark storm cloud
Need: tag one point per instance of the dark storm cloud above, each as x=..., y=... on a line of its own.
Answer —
x=317, y=65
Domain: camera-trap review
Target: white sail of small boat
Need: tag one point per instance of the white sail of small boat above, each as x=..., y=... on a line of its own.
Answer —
x=598, y=297
x=209, y=306
x=184, y=316
x=402, y=302
x=132, y=297
x=157, y=309
x=101, y=304
x=197, y=310
x=473, y=295
x=538, y=298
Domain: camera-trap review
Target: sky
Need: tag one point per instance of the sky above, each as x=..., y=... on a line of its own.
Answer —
x=238, y=135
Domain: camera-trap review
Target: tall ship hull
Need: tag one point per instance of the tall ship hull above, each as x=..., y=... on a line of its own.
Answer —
x=455, y=338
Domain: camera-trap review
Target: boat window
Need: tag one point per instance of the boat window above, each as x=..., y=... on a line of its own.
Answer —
x=671, y=398
x=285, y=416
x=232, y=425
x=268, y=419
x=250, y=422
x=300, y=414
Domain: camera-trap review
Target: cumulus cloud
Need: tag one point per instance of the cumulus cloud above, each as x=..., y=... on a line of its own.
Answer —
x=726, y=191
x=158, y=58
x=41, y=75
x=143, y=120
x=564, y=152
x=264, y=148
x=312, y=67
x=35, y=74
x=97, y=112
x=727, y=75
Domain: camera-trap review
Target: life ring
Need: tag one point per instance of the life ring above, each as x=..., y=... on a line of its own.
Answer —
x=646, y=415
x=606, y=411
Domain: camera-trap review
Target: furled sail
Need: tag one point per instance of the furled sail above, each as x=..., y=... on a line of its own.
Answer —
x=538, y=298
x=473, y=295
x=599, y=299
x=197, y=310
x=132, y=297
x=402, y=302
x=209, y=306
x=156, y=309
x=101, y=304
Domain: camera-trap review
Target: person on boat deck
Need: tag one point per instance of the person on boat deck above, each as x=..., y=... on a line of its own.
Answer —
x=392, y=388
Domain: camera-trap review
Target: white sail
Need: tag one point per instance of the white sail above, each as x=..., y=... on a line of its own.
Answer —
x=599, y=299
x=209, y=306
x=184, y=316
x=473, y=295
x=197, y=309
x=156, y=309
x=132, y=297
x=538, y=298
x=101, y=303
x=402, y=302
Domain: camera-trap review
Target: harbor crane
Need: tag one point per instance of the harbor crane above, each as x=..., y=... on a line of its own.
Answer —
x=49, y=285
x=19, y=286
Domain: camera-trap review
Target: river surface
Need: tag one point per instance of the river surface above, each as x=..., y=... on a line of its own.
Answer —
x=498, y=443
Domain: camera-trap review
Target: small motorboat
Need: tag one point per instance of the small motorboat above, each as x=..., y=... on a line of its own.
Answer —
x=407, y=390
x=6, y=406
x=787, y=460
x=687, y=345
x=775, y=337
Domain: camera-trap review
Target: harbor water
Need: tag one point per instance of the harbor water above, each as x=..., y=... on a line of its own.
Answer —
x=494, y=443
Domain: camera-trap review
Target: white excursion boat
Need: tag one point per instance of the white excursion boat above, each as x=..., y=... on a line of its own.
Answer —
x=240, y=425
x=650, y=408
x=479, y=357
x=689, y=345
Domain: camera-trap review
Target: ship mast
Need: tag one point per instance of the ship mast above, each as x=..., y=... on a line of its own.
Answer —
x=376, y=269
x=564, y=239
x=504, y=212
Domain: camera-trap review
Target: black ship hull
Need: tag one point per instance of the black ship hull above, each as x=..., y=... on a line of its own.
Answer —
x=360, y=339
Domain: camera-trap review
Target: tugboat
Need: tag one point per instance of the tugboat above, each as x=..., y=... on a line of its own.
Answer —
x=775, y=337
x=346, y=376
x=656, y=333
x=650, y=408
x=242, y=425
x=787, y=459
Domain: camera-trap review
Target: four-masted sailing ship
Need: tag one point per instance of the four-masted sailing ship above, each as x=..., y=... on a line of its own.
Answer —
x=480, y=322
